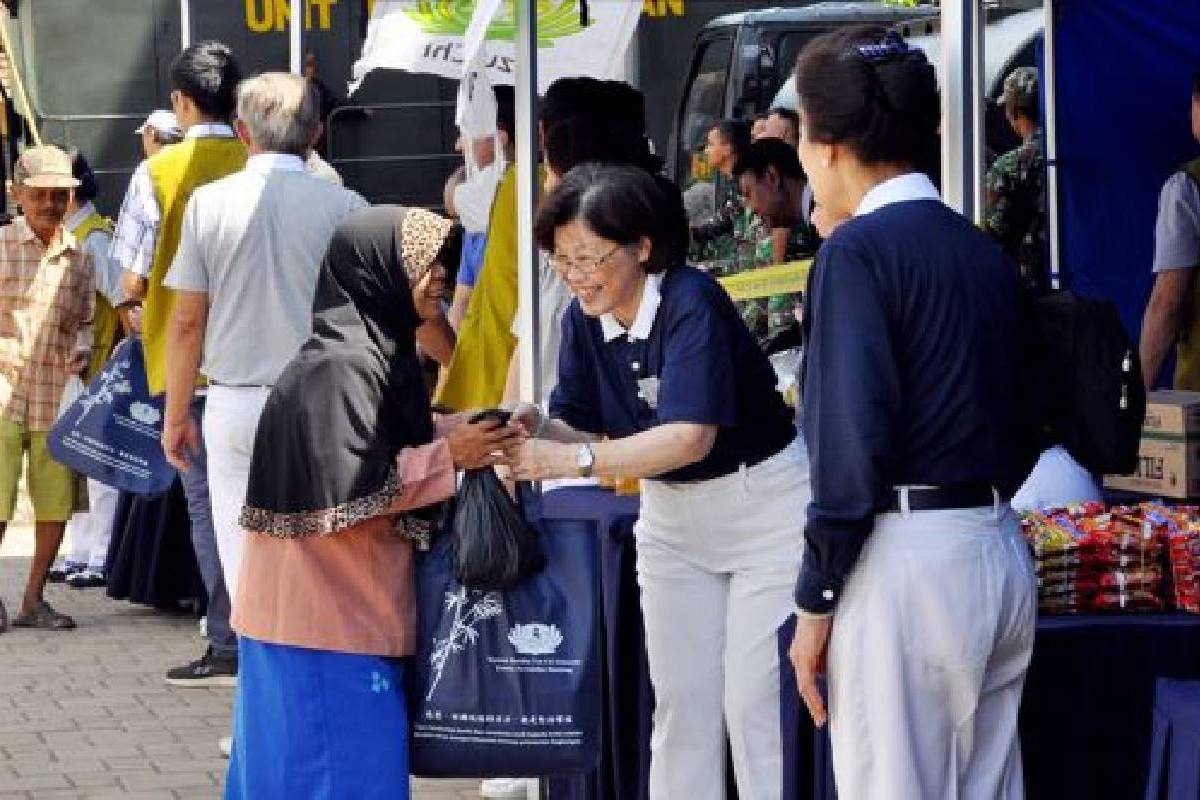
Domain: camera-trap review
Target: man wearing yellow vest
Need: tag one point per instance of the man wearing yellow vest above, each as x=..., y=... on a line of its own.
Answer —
x=204, y=80
x=1173, y=314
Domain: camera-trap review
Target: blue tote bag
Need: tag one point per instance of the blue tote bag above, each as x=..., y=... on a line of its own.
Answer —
x=111, y=432
x=507, y=683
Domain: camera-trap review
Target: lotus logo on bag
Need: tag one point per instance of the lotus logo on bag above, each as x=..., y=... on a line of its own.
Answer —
x=535, y=639
x=145, y=413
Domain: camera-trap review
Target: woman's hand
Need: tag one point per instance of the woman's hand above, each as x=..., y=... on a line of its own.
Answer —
x=482, y=444
x=529, y=418
x=808, y=652
x=443, y=424
x=539, y=459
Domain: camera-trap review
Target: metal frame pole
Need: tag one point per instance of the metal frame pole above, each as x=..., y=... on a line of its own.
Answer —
x=1050, y=97
x=962, y=112
x=185, y=24
x=978, y=27
x=529, y=337
x=295, y=38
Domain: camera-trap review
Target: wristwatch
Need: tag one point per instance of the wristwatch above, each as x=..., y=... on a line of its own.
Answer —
x=585, y=459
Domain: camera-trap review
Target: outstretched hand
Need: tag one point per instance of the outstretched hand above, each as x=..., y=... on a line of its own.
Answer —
x=482, y=444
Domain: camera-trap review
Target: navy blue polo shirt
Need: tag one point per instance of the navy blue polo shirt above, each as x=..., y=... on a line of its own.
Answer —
x=912, y=374
x=697, y=362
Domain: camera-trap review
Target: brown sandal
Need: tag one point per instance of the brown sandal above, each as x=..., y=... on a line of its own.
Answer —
x=44, y=617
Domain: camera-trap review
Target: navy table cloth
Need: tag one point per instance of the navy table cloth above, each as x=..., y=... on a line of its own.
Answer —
x=1087, y=719
x=628, y=702
x=1175, y=749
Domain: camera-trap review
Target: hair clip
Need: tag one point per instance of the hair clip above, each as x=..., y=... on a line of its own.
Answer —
x=892, y=46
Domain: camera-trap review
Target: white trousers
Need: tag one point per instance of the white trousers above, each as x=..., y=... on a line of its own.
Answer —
x=230, y=422
x=931, y=640
x=91, y=530
x=717, y=563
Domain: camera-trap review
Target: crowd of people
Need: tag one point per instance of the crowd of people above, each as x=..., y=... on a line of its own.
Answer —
x=321, y=358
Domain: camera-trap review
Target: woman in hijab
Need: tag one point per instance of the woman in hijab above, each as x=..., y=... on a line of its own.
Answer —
x=346, y=453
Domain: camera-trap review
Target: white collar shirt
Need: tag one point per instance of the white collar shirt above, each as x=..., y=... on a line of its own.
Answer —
x=643, y=322
x=902, y=188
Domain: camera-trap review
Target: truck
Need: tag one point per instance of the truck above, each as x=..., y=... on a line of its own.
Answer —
x=95, y=70
x=742, y=63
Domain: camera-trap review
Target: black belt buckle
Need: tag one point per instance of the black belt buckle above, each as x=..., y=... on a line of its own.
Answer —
x=944, y=498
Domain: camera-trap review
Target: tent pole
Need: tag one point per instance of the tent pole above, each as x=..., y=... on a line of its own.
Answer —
x=529, y=337
x=295, y=43
x=185, y=24
x=1050, y=97
x=962, y=127
x=977, y=28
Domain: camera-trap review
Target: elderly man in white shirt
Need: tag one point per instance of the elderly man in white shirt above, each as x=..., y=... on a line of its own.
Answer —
x=245, y=274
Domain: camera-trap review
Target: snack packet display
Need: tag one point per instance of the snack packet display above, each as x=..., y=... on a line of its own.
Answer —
x=1124, y=559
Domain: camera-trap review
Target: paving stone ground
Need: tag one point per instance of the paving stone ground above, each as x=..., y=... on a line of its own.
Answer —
x=86, y=714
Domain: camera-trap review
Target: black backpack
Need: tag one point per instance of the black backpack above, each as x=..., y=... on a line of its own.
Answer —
x=1084, y=382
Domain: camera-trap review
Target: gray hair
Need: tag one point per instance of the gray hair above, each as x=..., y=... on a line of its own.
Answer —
x=281, y=112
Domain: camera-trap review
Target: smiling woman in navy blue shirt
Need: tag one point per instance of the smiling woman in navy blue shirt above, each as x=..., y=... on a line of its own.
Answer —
x=915, y=575
x=660, y=379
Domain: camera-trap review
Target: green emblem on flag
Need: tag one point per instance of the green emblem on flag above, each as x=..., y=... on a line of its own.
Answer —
x=555, y=19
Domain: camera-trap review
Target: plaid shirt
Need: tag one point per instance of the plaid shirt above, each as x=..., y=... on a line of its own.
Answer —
x=47, y=299
x=136, y=234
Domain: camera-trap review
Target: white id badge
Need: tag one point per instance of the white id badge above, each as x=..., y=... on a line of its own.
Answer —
x=648, y=391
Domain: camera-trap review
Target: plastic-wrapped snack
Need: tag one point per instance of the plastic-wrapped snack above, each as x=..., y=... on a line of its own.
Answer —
x=1061, y=561
x=1116, y=600
x=1065, y=603
x=1183, y=551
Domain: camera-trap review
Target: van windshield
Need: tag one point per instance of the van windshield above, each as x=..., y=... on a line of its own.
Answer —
x=704, y=107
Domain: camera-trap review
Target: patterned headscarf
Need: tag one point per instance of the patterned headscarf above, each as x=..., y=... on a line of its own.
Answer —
x=422, y=234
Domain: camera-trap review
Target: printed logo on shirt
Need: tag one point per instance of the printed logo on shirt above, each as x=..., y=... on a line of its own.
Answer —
x=648, y=391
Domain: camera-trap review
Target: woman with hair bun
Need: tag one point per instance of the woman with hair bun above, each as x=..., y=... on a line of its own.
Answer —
x=916, y=593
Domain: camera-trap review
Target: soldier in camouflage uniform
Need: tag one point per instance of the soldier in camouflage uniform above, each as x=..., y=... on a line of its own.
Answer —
x=734, y=239
x=772, y=182
x=1016, y=183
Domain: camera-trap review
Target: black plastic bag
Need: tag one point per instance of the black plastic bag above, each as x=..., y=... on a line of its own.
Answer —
x=494, y=548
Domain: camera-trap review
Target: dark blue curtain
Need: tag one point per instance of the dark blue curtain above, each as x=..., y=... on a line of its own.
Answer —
x=1125, y=71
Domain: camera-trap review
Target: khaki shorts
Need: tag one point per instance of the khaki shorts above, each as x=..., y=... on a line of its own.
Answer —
x=51, y=485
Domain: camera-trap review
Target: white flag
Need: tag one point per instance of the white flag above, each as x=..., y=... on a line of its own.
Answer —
x=429, y=36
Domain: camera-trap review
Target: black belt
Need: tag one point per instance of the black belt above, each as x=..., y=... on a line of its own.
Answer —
x=942, y=498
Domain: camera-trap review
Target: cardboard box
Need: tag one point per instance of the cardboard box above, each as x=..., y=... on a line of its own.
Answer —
x=1165, y=469
x=1169, y=453
x=1172, y=413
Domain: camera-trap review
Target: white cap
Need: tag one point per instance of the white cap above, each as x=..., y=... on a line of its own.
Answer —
x=163, y=122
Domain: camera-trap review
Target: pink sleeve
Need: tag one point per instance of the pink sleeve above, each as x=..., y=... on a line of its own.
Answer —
x=426, y=475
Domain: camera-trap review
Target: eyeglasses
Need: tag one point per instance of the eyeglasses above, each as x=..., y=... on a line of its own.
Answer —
x=584, y=266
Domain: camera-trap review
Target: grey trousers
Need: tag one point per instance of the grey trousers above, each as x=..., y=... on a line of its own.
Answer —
x=204, y=542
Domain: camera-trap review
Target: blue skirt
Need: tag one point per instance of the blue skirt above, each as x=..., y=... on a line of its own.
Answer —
x=311, y=724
